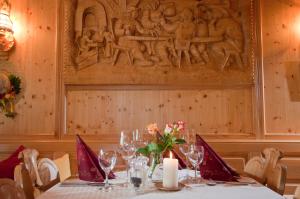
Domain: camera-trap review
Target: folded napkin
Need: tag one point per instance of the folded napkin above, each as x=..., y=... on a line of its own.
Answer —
x=7, y=166
x=88, y=166
x=181, y=163
x=213, y=167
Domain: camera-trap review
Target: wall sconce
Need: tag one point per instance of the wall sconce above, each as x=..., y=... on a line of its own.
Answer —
x=7, y=40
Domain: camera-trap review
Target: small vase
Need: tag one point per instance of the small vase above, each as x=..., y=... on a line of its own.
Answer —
x=156, y=160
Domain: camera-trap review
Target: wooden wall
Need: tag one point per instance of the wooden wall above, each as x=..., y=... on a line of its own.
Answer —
x=229, y=118
x=35, y=60
x=281, y=56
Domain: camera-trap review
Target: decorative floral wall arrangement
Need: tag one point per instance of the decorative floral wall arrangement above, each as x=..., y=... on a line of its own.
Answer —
x=10, y=87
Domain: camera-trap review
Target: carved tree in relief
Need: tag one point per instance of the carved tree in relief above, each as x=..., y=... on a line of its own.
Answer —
x=158, y=33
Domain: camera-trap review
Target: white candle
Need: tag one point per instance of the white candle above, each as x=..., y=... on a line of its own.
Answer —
x=170, y=172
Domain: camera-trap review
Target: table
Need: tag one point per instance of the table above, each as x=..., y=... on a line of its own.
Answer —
x=204, y=192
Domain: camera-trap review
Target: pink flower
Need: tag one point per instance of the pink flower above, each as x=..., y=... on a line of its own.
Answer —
x=152, y=128
x=169, y=128
x=180, y=125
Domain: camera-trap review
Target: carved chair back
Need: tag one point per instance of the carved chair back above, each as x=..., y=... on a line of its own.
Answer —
x=267, y=170
x=256, y=168
x=29, y=158
x=275, y=173
x=35, y=176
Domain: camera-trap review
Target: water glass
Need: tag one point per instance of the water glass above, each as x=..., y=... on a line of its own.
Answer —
x=107, y=161
x=195, y=156
x=127, y=150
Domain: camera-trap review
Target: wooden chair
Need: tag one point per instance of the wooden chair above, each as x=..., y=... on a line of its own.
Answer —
x=297, y=193
x=275, y=173
x=267, y=170
x=10, y=190
x=62, y=161
x=29, y=158
x=35, y=176
x=277, y=178
x=256, y=169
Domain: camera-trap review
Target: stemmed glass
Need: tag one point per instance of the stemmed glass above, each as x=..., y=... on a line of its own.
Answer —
x=184, y=148
x=127, y=150
x=138, y=138
x=107, y=161
x=195, y=156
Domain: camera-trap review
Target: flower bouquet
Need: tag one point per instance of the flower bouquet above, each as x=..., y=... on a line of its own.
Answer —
x=9, y=89
x=162, y=143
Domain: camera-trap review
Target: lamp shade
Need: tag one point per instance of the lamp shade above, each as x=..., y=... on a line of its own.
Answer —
x=5, y=22
x=6, y=33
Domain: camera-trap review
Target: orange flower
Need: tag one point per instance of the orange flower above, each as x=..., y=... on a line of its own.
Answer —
x=152, y=128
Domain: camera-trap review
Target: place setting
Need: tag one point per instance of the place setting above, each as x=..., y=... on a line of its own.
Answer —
x=171, y=160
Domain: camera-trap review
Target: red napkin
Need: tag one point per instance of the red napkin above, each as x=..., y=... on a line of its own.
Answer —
x=213, y=167
x=181, y=162
x=7, y=166
x=88, y=166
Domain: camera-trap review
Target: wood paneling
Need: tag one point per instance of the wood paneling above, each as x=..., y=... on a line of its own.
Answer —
x=34, y=59
x=101, y=112
x=280, y=20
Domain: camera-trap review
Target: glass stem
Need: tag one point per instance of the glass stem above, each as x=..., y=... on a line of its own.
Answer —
x=187, y=168
x=127, y=171
x=195, y=171
x=200, y=176
x=106, y=181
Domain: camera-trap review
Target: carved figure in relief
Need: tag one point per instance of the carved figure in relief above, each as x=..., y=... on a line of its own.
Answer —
x=130, y=26
x=222, y=24
x=161, y=48
x=108, y=40
x=157, y=33
x=184, y=30
x=199, y=50
x=87, y=48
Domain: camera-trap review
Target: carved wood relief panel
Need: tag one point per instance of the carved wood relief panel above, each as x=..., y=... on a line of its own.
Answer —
x=158, y=42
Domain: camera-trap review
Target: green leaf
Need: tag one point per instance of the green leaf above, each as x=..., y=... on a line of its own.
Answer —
x=16, y=83
x=152, y=147
x=179, y=141
x=144, y=151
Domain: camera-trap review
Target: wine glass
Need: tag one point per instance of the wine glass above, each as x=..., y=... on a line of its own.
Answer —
x=195, y=156
x=138, y=138
x=107, y=161
x=127, y=150
x=184, y=149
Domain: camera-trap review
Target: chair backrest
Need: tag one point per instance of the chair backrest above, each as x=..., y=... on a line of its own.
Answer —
x=27, y=184
x=276, y=178
x=35, y=176
x=63, y=164
x=256, y=168
x=29, y=158
x=10, y=190
x=267, y=170
x=275, y=172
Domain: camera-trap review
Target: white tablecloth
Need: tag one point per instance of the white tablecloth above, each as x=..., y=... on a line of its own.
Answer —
x=220, y=191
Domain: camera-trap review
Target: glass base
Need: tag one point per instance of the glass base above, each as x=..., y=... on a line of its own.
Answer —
x=192, y=180
x=106, y=188
x=126, y=184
